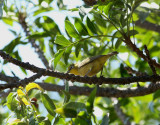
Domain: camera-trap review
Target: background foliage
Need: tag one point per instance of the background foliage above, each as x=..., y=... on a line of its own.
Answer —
x=93, y=28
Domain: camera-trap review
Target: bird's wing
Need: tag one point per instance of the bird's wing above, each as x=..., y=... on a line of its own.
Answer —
x=89, y=60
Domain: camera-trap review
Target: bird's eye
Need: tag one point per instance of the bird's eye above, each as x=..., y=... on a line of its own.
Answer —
x=70, y=67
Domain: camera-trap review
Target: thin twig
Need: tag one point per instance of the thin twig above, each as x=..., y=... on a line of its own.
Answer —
x=150, y=61
x=124, y=119
x=138, y=51
x=22, y=21
x=132, y=71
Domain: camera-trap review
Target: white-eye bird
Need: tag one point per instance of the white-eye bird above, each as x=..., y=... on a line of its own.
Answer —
x=90, y=66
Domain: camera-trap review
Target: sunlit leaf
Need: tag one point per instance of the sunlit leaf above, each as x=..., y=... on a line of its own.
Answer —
x=32, y=86
x=20, y=92
x=42, y=10
x=61, y=40
x=107, y=8
x=8, y=21
x=91, y=26
x=48, y=103
x=11, y=101
x=80, y=27
x=71, y=30
x=38, y=35
x=25, y=101
x=57, y=57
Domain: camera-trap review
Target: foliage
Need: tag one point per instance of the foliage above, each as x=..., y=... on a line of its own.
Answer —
x=95, y=30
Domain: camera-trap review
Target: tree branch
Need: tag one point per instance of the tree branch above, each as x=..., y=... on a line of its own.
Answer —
x=8, y=78
x=132, y=71
x=103, y=92
x=149, y=60
x=21, y=82
x=73, y=78
x=138, y=51
x=40, y=53
x=120, y=113
x=149, y=26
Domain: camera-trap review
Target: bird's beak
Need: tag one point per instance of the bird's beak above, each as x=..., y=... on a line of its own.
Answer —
x=68, y=71
x=113, y=53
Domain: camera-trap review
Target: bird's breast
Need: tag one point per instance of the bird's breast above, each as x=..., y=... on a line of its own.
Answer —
x=93, y=67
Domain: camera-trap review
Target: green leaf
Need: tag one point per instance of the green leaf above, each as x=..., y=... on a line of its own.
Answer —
x=8, y=21
x=59, y=121
x=67, y=112
x=71, y=30
x=67, y=54
x=42, y=10
x=78, y=106
x=156, y=95
x=82, y=12
x=73, y=9
x=48, y=103
x=38, y=35
x=11, y=101
x=10, y=47
x=58, y=56
x=124, y=101
x=123, y=72
x=61, y=40
x=118, y=43
x=100, y=21
x=80, y=27
x=133, y=32
x=107, y=8
x=43, y=120
x=78, y=48
x=90, y=101
x=67, y=96
x=71, y=109
x=91, y=26
x=80, y=121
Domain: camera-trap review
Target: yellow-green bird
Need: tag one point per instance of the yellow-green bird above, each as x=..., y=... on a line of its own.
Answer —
x=90, y=66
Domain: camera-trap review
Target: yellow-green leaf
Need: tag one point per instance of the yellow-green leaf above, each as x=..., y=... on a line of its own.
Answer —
x=20, y=93
x=33, y=86
x=25, y=101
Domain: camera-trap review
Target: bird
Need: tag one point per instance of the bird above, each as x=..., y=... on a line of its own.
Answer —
x=90, y=66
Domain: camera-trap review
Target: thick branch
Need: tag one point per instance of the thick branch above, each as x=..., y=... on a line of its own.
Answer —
x=105, y=92
x=147, y=25
x=8, y=78
x=73, y=78
x=21, y=82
